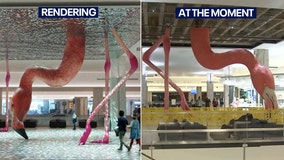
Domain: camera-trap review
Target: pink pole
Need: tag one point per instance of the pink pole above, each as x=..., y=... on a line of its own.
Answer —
x=107, y=70
x=133, y=66
x=167, y=46
x=146, y=59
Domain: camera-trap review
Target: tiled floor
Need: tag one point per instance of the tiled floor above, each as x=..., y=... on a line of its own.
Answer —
x=61, y=144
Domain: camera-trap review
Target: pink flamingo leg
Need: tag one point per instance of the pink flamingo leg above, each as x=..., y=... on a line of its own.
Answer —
x=71, y=63
x=7, y=92
x=146, y=59
x=167, y=46
x=107, y=70
x=261, y=76
x=133, y=66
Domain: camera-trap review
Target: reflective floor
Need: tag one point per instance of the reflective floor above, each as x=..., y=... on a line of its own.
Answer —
x=61, y=144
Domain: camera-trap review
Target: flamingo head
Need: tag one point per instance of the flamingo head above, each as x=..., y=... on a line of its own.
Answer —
x=263, y=82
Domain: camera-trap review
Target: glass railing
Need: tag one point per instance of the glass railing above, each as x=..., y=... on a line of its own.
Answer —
x=211, y=127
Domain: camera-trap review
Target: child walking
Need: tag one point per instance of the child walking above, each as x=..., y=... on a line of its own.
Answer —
x=134, y=131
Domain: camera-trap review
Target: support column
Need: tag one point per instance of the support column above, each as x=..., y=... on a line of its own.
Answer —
x=262, y=56
x=210, y=92
x=263, y=59
x=113, y=104
x=210, y=87
x=122, y=69
x=150, y=100
x=98, y=96
x=118, y=100
x=122, y=98
x=228, y=88
x=61, y=106
x=199, y=92
x=190, y=96
x=226, y=96
x=1, y=101
x=237, y=92
x=81, y=106
x=231, y=93
x=144, y=91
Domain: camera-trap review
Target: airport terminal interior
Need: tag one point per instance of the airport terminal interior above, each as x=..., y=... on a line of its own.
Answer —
x=188, y=106
x=240, y=125
x=43, y=43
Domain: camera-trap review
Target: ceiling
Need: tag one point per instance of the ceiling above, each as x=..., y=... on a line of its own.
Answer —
x=30, y=41
x=26, y=37
x=264, y=32
x=268, y=27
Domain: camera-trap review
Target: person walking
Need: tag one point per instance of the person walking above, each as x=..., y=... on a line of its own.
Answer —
x=74, y=120
x=198, y=102
x=122, y=124
x=134, y=131
x=215, y=102
x=207, y=102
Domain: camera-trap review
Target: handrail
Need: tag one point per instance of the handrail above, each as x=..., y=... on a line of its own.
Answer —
x=213, y=130
x=147, y=156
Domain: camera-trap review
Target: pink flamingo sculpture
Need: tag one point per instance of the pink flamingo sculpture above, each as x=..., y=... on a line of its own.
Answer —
x=261, y=76
x=73, y=54
x=7, y=91
x=146, y=58
x=133, y=66
x=107, y=70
